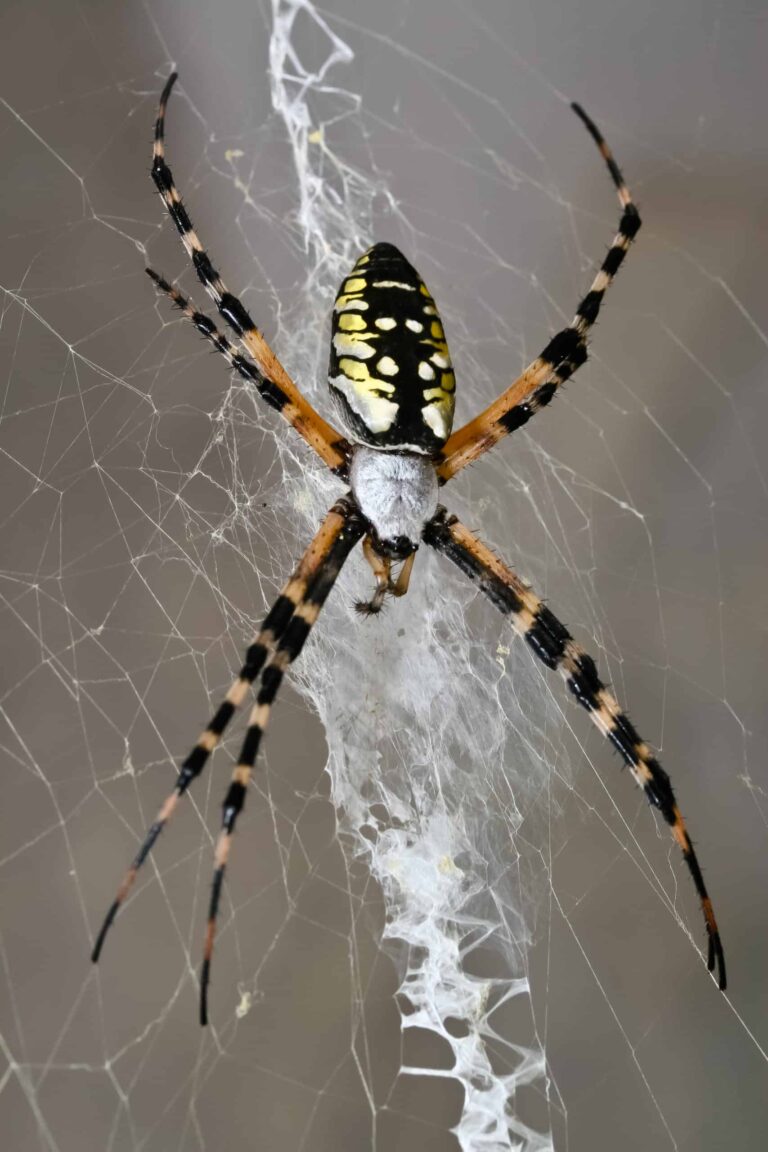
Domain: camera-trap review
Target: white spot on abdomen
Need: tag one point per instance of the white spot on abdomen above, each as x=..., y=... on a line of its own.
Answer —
x=393, y=284
x=387, y=366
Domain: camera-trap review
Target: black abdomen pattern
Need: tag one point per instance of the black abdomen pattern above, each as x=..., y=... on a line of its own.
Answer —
x=390, y=371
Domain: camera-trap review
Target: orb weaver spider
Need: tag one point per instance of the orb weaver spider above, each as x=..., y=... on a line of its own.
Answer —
x=392, y=382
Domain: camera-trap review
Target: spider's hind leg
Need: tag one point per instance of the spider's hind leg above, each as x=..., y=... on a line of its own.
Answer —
x=385, y=584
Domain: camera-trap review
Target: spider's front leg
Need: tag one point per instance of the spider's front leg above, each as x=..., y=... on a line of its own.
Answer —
x=278, y=642
x=348, y=531
x=555, y=647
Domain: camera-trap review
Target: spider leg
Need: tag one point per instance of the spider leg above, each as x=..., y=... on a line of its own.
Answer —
x=291, y=601
x=564, y=353
x=555, y=647
x=284, y=653
x=326, y=441
x=267, y=389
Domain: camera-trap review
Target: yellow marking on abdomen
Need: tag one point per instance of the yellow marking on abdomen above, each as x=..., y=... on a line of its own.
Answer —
x=354, y=370
x=352, y=344
x=349, y=322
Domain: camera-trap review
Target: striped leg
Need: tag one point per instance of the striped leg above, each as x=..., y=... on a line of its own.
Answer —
x=564, y=353
x=284, y=394
x=276, y=623
x=246, y=368
x=290, y=645
x=554, y=646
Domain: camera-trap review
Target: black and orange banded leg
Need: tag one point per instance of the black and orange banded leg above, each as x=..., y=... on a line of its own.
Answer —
x=250, y=372
x=277, y=621
x=286, y=651
x=564, y=353
x=330, y=446
x=554, y=646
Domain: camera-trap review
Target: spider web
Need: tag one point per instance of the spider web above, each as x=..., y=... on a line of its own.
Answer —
x=450, y=920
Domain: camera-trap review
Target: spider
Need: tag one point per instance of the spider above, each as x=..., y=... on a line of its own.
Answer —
x=393, y=386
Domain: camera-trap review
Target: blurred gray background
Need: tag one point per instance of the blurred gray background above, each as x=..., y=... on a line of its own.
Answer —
x=122, y=621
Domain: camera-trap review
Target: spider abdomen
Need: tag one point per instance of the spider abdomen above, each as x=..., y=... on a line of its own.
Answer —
x=390, y=371
x=395, y=491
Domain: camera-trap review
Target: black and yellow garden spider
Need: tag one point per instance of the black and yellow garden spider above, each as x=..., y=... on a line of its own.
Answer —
x=393, y=385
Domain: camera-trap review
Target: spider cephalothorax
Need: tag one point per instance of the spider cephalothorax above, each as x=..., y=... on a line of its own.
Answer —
x=393, y=383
